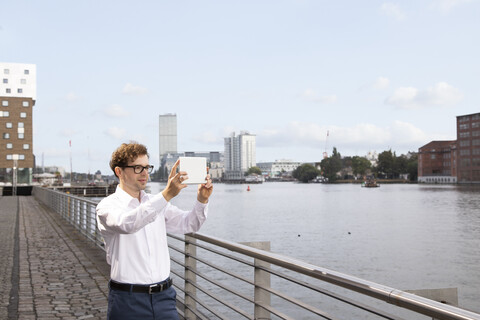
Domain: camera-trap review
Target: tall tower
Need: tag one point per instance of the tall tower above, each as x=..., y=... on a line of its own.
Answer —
x=18, y=93
x=167, y=134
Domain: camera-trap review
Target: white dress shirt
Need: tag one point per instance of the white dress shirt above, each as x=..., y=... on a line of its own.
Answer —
x=135, y=234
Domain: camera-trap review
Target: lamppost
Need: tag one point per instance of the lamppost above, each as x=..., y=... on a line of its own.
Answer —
x=14, y=180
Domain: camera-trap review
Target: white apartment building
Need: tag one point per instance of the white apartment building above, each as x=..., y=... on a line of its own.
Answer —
x=275, y=169
x=239, y=154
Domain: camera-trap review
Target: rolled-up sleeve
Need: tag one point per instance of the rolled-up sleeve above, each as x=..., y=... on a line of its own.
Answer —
x=180, y=221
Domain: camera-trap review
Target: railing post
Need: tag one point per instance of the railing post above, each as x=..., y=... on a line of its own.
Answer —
x=190, y=277
x=261, y=279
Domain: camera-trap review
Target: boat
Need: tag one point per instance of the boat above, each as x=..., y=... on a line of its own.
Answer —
x=370, y=183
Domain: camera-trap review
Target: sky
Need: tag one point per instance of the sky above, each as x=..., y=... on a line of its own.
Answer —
x=304, y=76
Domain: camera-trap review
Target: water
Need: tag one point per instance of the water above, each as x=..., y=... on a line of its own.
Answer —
x=402, y=236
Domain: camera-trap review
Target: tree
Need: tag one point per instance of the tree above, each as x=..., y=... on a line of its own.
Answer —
x=254, y=170
x=305, y=172
x=331, y=165
x=385, y=164
x=360, y=165
x=412, y=168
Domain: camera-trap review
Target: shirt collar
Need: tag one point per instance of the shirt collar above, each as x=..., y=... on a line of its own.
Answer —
x=126, y=198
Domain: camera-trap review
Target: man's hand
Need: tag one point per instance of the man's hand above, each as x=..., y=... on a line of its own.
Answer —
x=205, y=190
x=174, y=184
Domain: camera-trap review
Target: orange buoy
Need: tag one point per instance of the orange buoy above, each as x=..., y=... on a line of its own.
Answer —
x=248, y=188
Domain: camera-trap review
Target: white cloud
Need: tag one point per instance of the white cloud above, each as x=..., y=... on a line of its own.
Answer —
x=381, y=83
x=311, y=95
x=445, y=6
x=392, y=10
x=348, y=140
x=208, y=137
x=68, y=132
x=71, y=96
x=440, y=95
x=115, y=132
x=116, y=111
x=134, y=90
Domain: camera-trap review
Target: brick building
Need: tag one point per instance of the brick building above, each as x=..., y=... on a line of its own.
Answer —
x=17, y=98
x=468, y=144
x=456, y=161
x=437, y=162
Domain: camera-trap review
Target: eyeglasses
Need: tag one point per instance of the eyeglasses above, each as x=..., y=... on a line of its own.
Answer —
x=139, y=169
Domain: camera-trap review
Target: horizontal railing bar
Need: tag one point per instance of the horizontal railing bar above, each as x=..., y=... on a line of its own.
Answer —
x=330, y=294
x=224, y=254
x=216, y=298
x=200, y=274
x=292, y=300
x=397, y=297
x=219, y=285
x=197, y=312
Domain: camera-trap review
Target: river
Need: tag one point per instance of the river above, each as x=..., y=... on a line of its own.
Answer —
x=405, y=236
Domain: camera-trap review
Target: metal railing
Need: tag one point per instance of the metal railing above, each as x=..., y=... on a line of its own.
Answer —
x=220, y=279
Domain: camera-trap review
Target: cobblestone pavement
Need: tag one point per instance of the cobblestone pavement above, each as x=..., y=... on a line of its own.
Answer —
x=61, y=275
x=8, y=222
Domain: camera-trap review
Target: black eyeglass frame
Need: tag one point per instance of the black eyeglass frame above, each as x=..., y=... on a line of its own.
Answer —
x=149, y=168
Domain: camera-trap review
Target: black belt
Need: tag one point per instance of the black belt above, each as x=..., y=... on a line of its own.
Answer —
x=152, y=288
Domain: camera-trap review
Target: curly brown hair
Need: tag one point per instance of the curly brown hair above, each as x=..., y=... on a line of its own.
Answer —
x=126, y=153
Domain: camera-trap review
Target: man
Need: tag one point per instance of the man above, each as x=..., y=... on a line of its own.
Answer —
x=134, y=225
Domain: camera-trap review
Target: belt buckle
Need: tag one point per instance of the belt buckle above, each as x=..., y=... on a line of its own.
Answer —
x=151, y=287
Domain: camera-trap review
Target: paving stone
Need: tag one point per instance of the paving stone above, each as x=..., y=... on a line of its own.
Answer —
x=60, y=275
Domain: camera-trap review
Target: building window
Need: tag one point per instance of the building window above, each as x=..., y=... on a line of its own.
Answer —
x=23, y=81
x=5, y=80
x=475, y=124
x=25, y=103
x=9, y=146
x=463, y=126
x=6, y=135
x=23, y=114
x=21, y=125
x=5, y=103
x=8, y=125
x=433, y=156
x=8, y=90
x=4, y=114
x=26, y=71
x=21, y=157
x=464, y=134
x=26, y=146
x=6, y=71
x=21, y=135
x=9, y=157
x=19, y=90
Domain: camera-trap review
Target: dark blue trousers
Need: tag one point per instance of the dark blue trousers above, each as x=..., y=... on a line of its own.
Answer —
x=124, y=305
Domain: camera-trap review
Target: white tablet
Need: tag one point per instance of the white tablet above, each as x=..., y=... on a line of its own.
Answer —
x=196, y=169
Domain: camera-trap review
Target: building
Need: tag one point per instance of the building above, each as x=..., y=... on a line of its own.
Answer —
x=468, y=145
x=18, y=95
x=278, y=168
x=167, y=134
x=437, y=162
x=456, y=161
x=239, y=155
